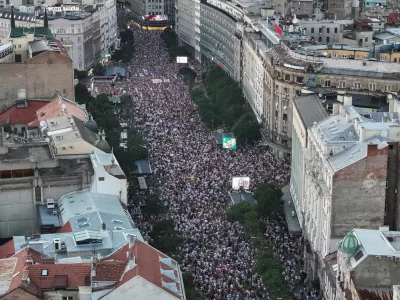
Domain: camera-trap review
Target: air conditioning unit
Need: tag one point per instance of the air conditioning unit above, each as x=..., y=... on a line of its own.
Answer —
x=397, y=258
x=390, y=258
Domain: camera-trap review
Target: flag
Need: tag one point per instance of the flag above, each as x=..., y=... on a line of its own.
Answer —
x=278, y=30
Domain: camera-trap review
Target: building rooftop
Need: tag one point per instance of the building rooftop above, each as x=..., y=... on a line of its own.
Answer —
x=28, y=153
x=346, y=136
x=70, y=166
x=310, y=109
x=89, y=211
x=19, y=16
x=372, y=242
x=283, y=58
x=359, y=73
x=65, y=131
x=59, y=107
x=22, y=113
x=151, y=265
x=108, y=162
x=48, y=216
x=22, y=31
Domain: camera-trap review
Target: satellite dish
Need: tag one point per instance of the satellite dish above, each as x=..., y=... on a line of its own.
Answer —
x=384, y=133
x=325, y=53
x=63, y=106
x=42, y=123
x=47, y=140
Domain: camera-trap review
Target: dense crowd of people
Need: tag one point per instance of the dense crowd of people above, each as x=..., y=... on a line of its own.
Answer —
x=193, y=175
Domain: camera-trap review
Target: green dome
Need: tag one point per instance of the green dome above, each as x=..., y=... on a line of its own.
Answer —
x=103, y=146
x=349, y=244
x=92, y=125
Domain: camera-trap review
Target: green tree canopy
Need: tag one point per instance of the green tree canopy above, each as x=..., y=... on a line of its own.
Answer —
x=164, y=237
x=237, y=211
x=268, y=199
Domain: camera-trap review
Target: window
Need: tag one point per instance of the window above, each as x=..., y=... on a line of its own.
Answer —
x=320, y=30
x=287, y=77
x=383, y=58
x=284, y=117
x=336, y=30
x=366, y=39
x=358, y=255
x=327, y=30
x=101, y=178
x=357, y=85
x=320, y=39
x=334, y=55
x=388, y=88
x=395, y=59
x=372, y=86
x=342, y=84
x=327, y=39
x=299, y=79
x=327, y=83
x=312, y=30
x=79, y=39
x=44, y=272
x=68, y=298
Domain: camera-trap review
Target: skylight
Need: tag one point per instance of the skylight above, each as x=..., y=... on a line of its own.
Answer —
x=358, y=255
x=44, y=272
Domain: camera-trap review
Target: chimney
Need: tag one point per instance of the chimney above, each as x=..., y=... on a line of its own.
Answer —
x=372, y=150
x=347, y=100
x=336, y=109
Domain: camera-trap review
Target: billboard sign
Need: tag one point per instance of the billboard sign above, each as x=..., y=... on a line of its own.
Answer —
x=155, y=18
x=229, y=143
x=181, y=59
x=240, y=182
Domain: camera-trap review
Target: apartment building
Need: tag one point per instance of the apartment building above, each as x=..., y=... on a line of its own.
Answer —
x=133, y=270
x=324, y=31
x=368, y=264
x=88, y=32
x=342, y=160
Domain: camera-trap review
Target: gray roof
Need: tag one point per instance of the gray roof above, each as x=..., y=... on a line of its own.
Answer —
x=310, y=109
x=86, y=134
x=88, y=211
x=359, y=73
x=110, y=241
x=376, y=243
x=282, y=57
x=39, y=46
x=49, y=216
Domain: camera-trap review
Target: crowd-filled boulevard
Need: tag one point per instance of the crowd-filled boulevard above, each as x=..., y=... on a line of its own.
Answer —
x=215, y=251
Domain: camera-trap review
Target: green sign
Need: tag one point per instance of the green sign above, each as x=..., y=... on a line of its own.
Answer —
x=229, y=143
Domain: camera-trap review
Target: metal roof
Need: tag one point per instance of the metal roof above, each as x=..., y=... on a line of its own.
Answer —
x=310, y=109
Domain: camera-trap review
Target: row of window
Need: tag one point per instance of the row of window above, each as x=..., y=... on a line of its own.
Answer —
x=356, y=85
x=328, y=30
x=288, y=77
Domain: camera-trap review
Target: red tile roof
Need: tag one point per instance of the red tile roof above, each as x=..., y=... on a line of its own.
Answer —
x=66, y=228
x=148, y=265
x=393, y=18
x=109, y=270
x=22, y=116
x=78, y=274
x=54, y=109
x=7, y=249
